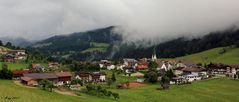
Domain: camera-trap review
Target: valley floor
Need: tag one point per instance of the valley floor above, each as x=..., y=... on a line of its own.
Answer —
x=213, y=90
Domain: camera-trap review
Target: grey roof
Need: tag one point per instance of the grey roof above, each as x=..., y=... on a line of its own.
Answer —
x=189, y=63
x=41, y=75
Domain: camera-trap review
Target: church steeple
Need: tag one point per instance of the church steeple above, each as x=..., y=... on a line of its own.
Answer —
x=154, y=56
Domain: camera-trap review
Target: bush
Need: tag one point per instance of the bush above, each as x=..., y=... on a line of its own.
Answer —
x=99, y=91
x=46, y=85
x=5, y=73
x=115, y=95
x=113, y=78
x=76, y=81
x=151, y=77
x=165, y=82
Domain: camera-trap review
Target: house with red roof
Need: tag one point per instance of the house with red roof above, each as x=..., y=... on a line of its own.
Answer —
x=17, y=74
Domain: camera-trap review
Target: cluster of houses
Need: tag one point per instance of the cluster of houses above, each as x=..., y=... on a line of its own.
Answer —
x=31, y=78
x=185, y=71
x=12, y=55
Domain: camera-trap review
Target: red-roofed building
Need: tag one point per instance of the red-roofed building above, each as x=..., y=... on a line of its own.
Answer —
x=142, y=67
x=63, y=77
x=29, y=81
x=19, y=73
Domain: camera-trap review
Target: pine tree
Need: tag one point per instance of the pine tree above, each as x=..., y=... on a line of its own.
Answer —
x=113, y=78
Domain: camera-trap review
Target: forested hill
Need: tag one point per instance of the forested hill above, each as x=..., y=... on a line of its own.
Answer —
x=95, y=44
x=184, y=46
x=103, y=43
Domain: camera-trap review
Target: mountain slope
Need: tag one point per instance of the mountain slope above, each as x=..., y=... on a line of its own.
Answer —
x=227, y=55
x=80, y=46
x=105, y=44
x=4, y=48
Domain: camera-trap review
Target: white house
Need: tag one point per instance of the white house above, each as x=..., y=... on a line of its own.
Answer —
x=102, y=77
x=111, y=67
x=120, y=67
x=164, y=65
x=101, y=65
x=192, y=77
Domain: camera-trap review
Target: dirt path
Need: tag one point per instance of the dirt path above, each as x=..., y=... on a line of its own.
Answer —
x=65, y=92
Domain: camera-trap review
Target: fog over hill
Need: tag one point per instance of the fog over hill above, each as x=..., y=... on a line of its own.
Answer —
x=17, y=41
x=153, y=21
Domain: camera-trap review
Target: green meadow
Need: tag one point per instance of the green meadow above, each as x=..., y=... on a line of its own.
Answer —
x=19, y=65
x=15, y=66
x=226, y=55
x=214, y=90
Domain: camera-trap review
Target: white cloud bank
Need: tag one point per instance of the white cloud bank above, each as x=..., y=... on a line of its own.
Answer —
x=139, y=19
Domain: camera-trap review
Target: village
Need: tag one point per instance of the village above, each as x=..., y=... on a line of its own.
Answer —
x=132, y=73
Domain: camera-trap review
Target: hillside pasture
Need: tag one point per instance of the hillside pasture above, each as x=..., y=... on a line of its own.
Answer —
x=15, y=66
x=226, y=55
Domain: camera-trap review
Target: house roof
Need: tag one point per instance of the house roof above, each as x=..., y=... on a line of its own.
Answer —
x=26, y=78
x=83, y=74
x=142, y=67
x=234, y=66
x=20, y=71
x=160, y=64
x=98, y=73
x=41, y=75
x=36, y=65
x=63, y=74
x=217, y=66
x=192, y=69
x=137, y=74
x=189, y=63
x=179, y=68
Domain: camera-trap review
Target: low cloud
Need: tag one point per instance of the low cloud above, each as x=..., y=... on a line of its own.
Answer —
x=139, y=20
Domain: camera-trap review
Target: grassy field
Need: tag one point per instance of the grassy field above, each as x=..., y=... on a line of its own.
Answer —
x=4, y=48
x=94, y=49
x=215, y=90
x=100, y=47
x=230, y=56
x=23, y=94
x=14, y=66
x=19, y=65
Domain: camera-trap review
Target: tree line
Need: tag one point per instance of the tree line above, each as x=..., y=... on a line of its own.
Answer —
x=9, y=45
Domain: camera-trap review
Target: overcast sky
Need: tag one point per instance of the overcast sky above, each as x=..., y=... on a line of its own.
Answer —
x=139, y=19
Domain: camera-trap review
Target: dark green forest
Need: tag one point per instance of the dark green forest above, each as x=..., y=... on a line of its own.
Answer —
x=71, y=46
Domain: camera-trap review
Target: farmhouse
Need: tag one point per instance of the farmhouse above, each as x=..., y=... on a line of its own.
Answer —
x=178, y=80
x=91, y=76
x=142, y=64
x=233, y=68
x=217, y=68
x=84, y=76
x=98, y=76
x=58, y=78
x=63, y=77
x=19, y=54
x=37, y=67
x=164, y=65
x=19, y=73
x=8, y=58
x=33, y=79
x=53, y=65
x=29, y=81
x=130, y=63
x=190, y=74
